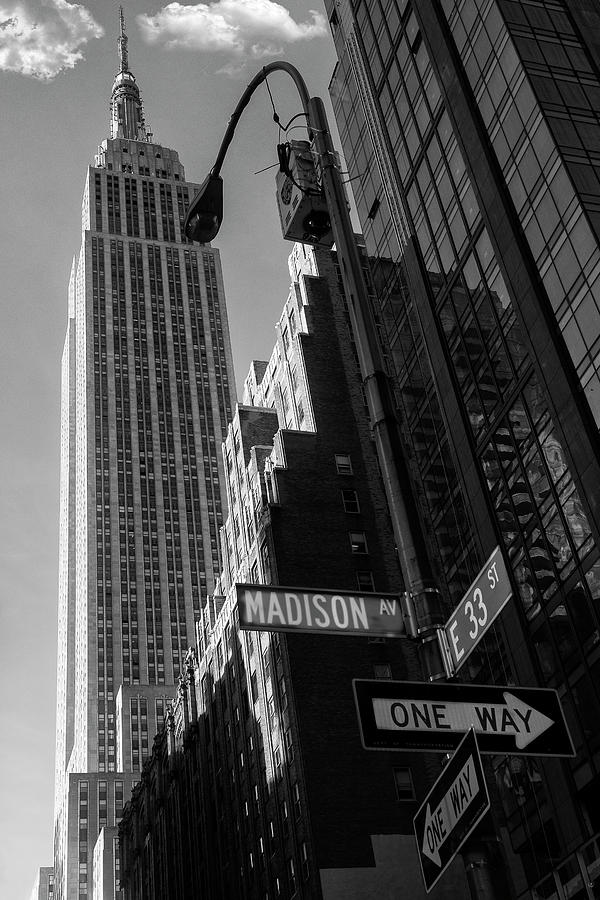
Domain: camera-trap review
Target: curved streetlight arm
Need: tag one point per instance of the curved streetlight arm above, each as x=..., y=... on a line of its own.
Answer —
x=202, y=223
x=277, y=66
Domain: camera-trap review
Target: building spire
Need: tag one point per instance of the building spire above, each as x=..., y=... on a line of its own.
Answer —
x=126, y=110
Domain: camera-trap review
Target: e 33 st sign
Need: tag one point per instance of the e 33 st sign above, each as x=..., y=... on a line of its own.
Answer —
x=477, y=610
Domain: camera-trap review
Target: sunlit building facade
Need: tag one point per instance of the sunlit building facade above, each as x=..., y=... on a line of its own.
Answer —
x=43, y=888
x=147, y=396
x=472, y=133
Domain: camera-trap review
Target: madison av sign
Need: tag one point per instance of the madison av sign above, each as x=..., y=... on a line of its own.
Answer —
x=477, y=610
x=455, y=804
x=272, y=608
x=407, y=715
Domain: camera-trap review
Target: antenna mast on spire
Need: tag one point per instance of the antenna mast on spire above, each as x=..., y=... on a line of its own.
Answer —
x=126, y=112
x=122, y=42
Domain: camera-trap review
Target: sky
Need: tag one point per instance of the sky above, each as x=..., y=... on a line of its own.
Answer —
x=57, y=62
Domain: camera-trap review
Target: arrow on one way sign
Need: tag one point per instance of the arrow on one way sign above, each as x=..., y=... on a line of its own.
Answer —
x=513, y=717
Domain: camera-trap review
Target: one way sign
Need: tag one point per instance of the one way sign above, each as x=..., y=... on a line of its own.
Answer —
x=452, y=809
x=412, y=715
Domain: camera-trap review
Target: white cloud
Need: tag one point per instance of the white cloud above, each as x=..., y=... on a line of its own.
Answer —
x=243, y=29
x=41, y=39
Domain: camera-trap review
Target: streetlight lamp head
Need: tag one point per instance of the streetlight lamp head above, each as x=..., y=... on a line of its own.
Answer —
x=205, y=212
x=316, y=224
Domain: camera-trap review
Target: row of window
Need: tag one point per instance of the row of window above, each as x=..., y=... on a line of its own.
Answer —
x=121, y=367
x=358, y=539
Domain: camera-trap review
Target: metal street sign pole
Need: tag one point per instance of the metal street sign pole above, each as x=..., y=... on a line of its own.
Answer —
x=451, y=811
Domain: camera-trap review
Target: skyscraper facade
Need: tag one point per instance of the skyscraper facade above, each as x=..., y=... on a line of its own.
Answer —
x=471, y=129
x=147, y=390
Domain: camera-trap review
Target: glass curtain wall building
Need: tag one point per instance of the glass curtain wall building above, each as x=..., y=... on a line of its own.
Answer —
x=147, y=392
x=472, y=132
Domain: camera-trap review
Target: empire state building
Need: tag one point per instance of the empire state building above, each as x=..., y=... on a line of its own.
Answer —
x=146, y=398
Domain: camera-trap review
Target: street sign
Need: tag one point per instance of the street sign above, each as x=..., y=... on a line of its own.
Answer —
x=453, y=808
x=266, y=607
x=416, y=715
x=477, y=610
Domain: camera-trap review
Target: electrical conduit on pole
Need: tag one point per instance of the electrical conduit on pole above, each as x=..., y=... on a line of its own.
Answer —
x=415, y=566
x=378, y=391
